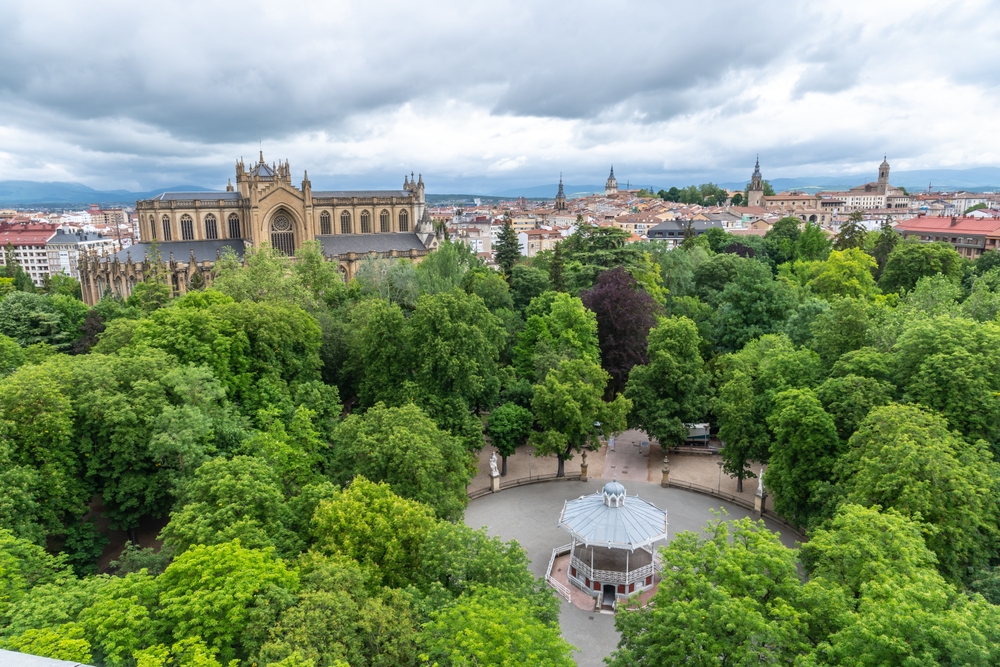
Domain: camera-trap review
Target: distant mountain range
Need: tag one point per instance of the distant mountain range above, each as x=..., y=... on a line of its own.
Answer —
x=549, y=191
x=23, y=193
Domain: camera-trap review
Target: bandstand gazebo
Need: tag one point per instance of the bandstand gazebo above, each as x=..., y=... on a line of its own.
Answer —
x=613, y=554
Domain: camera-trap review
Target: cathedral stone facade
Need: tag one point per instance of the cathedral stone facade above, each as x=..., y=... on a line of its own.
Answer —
x=192, y=229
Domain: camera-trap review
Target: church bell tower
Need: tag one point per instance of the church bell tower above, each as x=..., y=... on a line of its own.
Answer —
x=611, y=187
x=755, y=193
x=560, y=197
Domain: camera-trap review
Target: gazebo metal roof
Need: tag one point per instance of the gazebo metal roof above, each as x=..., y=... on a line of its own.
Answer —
x=610, y=519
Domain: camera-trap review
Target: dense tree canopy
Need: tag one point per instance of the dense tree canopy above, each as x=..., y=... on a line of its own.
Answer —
x=302, y=446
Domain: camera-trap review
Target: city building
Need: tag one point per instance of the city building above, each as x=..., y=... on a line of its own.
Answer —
x=971, y=237
x=675, y=231
x=66, y=248
x=193, y=228
x=878, y=194
x=26, y=242
x=611, y=186
x=534, y=241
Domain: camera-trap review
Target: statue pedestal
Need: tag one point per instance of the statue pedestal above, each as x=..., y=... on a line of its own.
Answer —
x=665, y=481
x=583, y=471
x=495, y=483
x=758, y=505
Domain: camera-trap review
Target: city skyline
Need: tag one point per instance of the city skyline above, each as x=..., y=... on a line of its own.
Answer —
x=149, y=98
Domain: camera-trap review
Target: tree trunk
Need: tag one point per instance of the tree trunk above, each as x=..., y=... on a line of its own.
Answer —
x=503, y=469
x=562, y=466
x=739, y=483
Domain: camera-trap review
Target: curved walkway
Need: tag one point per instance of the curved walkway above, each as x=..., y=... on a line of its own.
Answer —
x=530, y=515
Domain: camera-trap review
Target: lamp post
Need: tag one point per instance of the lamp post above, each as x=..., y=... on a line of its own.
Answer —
x=719, y=489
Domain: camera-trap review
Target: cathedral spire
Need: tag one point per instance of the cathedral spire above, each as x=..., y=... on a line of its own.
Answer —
x=560, y=196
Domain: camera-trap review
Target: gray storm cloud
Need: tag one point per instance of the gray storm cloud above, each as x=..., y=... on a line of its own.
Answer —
x=147, y=91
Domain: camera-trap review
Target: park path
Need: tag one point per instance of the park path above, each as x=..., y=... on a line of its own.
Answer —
x=630, y=461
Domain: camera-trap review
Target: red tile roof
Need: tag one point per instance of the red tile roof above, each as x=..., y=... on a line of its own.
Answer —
x=949, y=225
x=16, y=234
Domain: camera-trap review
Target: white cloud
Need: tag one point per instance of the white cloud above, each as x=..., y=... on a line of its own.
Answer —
x=483, y=95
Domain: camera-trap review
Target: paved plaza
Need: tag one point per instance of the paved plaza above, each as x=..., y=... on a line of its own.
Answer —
x=530, y=515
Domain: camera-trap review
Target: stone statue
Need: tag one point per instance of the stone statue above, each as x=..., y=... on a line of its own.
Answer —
x=760, y=482
x=493, y=465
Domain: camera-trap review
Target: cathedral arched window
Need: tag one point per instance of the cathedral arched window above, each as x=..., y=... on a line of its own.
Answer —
x=404, y=221
x=384, y=222
x=324, y=223
x=211, y=227
x=345, y=223
x=166, y=229
x=282, y=236
x=187, y=228
x=366, y=222
x=234, y=226
x=152, y=228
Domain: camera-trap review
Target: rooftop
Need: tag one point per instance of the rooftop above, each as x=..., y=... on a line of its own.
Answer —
x=949, y=224
x=626, y=522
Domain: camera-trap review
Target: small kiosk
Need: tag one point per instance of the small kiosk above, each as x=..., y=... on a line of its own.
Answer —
x=613, y=554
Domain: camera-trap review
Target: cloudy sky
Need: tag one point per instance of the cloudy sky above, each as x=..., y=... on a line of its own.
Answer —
x=482, y=96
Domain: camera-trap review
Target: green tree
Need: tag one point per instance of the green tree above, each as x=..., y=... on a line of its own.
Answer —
x=369, y=523
x=442, y=270
x=888, y=239
x=752, y=305
x=490, y=286
x=63, y=642
x=238, y=498
x=906, y=458
x=453, y=344
x=38, y=424
x=526, y=283
x=59, y=283
x=338, y=620
x=263, y=274
x=845, y=273
x=208, y=592
x=507, y=252
x=394, y=280
x=880, y=602
x=557, y=268
x=733, y=597
x=852, y=233
x=849, y=399
x=813, y=243
x=673, y=388
x=803, y=454
x=782, y=239
x=558, y=327
x=405, y=449
x=509, y=426
x=569, y=409
x=912, y=260
x=491, y=627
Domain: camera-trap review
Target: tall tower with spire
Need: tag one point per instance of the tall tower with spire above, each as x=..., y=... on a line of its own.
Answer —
x=611, y=187
x=560, y=197
x=883, y=176
x=755, y=193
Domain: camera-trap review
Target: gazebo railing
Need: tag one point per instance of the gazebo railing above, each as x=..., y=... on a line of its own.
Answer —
x=614, y=576
x=552, y=581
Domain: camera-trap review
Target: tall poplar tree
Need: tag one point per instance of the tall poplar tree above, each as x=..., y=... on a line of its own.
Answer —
x=507, y=251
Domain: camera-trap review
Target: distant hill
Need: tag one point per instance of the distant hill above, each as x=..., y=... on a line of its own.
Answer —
x=13, y=193
x=549, y=191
